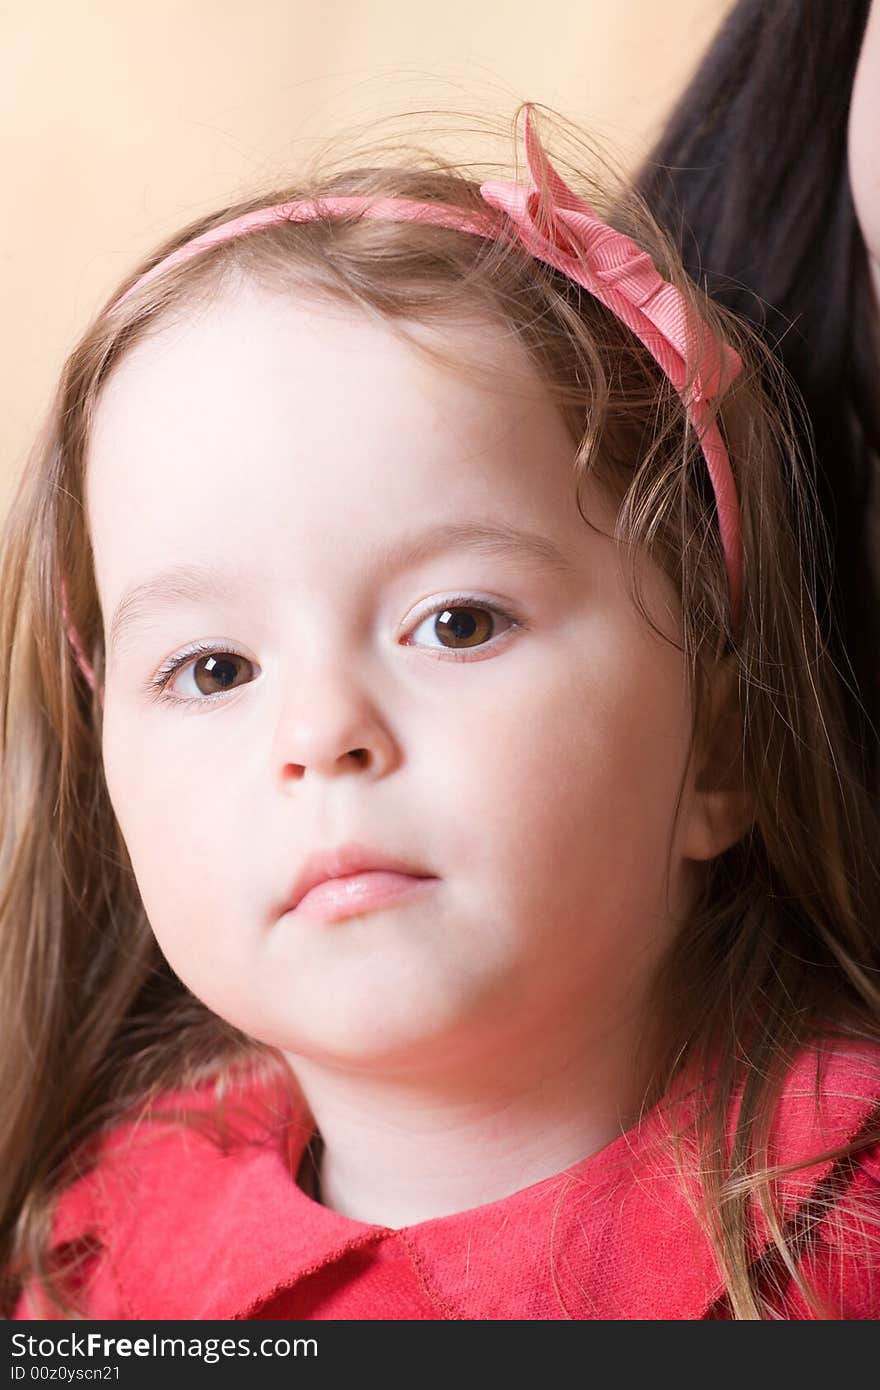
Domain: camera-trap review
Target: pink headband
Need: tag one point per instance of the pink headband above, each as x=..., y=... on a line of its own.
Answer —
x=614, y=269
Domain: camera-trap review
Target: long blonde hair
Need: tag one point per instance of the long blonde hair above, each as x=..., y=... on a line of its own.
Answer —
x=781, y=948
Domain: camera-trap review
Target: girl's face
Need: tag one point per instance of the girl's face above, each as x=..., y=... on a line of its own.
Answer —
x=265, y=470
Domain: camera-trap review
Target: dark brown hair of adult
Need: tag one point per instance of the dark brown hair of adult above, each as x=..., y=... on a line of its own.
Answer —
x=750, y=177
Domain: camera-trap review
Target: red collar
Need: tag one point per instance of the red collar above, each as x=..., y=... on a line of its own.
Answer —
x=194, y=1233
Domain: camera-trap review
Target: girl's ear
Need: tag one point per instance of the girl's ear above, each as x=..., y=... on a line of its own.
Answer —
x=722, y=804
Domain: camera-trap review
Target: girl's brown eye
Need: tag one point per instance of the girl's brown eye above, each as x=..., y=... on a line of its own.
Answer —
x=463, y=626
x=215, y=672
x=459, y=626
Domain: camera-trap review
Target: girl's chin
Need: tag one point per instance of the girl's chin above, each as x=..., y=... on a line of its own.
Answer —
x=375, y=1023
x=389, y=1055
x=400, y=1048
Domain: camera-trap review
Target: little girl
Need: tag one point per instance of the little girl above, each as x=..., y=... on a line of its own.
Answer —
x=499, y=940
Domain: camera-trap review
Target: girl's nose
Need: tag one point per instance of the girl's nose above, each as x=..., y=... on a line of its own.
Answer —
x=333, y=726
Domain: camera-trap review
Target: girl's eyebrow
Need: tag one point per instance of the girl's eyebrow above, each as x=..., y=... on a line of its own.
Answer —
x=195, y=582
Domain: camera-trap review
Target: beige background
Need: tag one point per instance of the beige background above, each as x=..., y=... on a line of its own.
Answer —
x=122, y=121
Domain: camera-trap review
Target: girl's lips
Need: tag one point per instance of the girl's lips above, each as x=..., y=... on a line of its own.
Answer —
x=336, y=898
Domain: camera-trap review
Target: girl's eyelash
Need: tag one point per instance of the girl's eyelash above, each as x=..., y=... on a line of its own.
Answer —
x=156, y=686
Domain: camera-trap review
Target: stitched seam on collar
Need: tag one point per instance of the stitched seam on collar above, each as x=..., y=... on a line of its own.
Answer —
x=103, y=1224
x=356, y=1243
x=448, y=1310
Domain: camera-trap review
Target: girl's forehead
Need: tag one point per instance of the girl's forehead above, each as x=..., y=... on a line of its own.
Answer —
x=250, y=336
x=268, y=406
x=257, y=369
